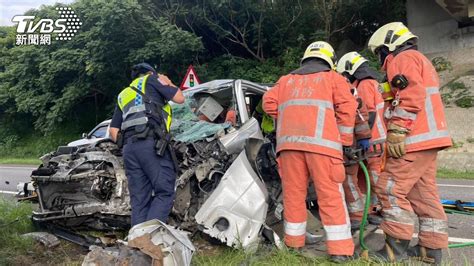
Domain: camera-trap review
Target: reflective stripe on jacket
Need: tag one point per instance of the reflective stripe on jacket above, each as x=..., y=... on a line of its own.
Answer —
x=368, y=92
x=361, y=126
x=134, y=109
x=309, y=109
x=420, y=108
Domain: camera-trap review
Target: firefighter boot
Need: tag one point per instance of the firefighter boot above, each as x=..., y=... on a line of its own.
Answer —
x=375, y=219
x=427, y=255
x=395, y=250
x=311, y=239
x=355, y=225
x=341, y=258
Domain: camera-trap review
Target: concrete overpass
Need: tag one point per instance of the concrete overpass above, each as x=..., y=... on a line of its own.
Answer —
x=461, y=10
x=442, y=25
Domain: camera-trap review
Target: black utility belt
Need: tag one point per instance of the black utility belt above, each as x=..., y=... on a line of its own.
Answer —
x=133, y=139
x=161, y=144
x=131, y=135
x=162, y=139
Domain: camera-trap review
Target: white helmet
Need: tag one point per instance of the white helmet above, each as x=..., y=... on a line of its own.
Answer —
x=322, y=50
x=350, y=62
x=390, y=35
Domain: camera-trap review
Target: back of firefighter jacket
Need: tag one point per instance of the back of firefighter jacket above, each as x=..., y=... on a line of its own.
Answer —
x=315, y=112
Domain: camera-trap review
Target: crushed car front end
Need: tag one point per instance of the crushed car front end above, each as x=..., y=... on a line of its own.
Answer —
x=227, y=185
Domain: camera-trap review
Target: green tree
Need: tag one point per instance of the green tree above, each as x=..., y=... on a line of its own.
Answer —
x=79, y=79
x=262, y=29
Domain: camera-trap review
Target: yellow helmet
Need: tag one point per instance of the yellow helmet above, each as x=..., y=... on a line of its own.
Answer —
x=350, y=62
x=390, y=35
x=322, y=50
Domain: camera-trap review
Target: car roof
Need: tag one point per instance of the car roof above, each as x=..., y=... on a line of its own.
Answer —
x=105, y=122
x=217, y=84
x=211, y=85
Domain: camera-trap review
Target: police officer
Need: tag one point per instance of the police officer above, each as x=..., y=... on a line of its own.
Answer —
x=143, y=118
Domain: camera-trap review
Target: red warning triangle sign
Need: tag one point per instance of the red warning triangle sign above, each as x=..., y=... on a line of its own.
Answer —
x=190, y=80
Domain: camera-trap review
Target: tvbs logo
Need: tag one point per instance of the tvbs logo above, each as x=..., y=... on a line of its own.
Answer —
x=31, y=31
x=26, y=25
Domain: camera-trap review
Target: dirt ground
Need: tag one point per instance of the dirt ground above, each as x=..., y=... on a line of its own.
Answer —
x=66, y=253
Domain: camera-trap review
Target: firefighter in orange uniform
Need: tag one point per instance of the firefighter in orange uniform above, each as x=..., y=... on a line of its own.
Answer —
x=356, y=69
x=417, y=130
x=309, y=104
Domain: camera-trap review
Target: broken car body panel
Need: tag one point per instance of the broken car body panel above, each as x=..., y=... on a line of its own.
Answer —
x=236, y=210
x=84, y=183
x=234, y=142
x=162, y=242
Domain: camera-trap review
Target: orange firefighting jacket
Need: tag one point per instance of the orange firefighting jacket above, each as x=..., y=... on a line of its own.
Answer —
x=368, y=92
x=420, y=108
x=315, y=112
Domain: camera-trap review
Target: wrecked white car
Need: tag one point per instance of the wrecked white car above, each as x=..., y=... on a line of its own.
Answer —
x=98, y=133
x=227, y=186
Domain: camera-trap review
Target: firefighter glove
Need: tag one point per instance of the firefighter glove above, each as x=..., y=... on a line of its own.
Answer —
x=396, y=140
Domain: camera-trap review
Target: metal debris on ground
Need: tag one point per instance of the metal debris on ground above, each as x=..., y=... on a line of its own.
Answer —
x=47, y=239
x=117, y=255
x=163, y=243
x=149, y=243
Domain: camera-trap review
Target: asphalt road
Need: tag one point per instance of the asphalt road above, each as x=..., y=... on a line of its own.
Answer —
x=461, y=227
x=11, y=175
x=456, y=189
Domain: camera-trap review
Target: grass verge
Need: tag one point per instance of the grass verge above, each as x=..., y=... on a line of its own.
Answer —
x=24, y=161
x=273, y=256
x=14, y=221
x=17, y=250
x=27, y=149
x=454, y=174
x=228, y=256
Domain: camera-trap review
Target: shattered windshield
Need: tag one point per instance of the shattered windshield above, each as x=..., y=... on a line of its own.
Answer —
x=186, y=126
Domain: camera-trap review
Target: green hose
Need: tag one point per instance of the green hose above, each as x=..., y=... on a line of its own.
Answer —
x=461, y=245
x=363, y=223
x=468, y=244
x=457, y=212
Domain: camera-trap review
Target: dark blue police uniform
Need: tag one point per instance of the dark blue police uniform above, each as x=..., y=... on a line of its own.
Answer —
x=151, y=178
